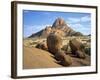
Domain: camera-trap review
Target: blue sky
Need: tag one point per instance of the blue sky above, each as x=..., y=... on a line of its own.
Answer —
x=34, y=21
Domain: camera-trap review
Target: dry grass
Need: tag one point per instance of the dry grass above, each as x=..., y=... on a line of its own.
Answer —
x=32, y=42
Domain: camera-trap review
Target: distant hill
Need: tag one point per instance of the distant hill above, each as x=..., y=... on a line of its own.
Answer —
x=59, y=27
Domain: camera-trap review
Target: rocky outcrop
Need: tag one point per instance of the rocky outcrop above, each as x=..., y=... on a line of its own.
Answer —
x=77, y=34
x=63, y=59
x=54, y=43
x=43, y=33
x=77, y=48
x=42, y=46
x=59, y=24
x=60, y=27
x=80, y=54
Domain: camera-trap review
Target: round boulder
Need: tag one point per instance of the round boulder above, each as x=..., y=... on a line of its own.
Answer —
x=64, y=59
x=54, y=43
x=77, y=48
x=42, y=46
x=80, y=54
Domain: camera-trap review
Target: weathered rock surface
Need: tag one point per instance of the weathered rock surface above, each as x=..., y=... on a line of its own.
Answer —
x=77, y=48
x=42, y=46
x=60, y=27
x=54, y=43
x=34, y=58
x=64, y=59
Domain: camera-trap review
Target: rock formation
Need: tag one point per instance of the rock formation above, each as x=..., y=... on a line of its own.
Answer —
x=42, y=46
x=77, y=48
x=60, y=27
x=59, y=24
x=54, y=43
x=63, y=59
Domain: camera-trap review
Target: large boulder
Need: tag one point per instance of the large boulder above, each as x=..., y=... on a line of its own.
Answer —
x=42, y=46
x=77, y=48
x=54, y=43
x=63, y=59
x=80, y=54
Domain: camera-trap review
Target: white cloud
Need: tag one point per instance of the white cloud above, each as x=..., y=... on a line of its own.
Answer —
x=78, y=20
x=81, y=24
x=77, y=25
x=85, y=19
x=26, y=11
x=30, y=29
x=85, y=29
x=73, y=20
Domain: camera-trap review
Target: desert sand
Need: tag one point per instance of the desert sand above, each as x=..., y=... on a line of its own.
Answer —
x=37, y=58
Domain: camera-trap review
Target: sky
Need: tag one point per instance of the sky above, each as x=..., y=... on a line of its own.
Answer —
x=34, y=21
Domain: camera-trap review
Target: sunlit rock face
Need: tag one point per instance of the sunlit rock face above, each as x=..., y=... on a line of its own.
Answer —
x=59, y=27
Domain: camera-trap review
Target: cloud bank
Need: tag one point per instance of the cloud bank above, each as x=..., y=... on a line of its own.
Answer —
x=82, y=24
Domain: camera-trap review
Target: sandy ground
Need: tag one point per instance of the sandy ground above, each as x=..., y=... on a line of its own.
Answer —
x=37, y=58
